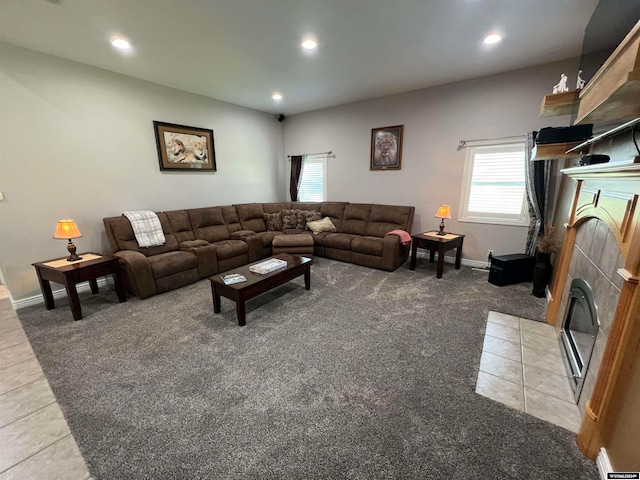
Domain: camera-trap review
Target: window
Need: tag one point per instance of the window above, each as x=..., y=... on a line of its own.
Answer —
x=494, y=189
x=313, y=179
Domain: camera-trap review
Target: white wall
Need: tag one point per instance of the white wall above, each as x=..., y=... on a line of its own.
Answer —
x=78, y=142
x=434, y=120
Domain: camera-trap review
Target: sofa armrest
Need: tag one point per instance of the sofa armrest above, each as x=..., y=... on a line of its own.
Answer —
x=241, y=234
x=394, y=253
x=138, y=275
x=193, y=243
x=206, y=255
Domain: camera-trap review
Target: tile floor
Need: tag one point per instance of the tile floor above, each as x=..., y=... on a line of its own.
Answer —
x=34, y=437
x=522, y=367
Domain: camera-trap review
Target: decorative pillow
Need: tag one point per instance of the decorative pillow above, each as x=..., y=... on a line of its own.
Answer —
x=289, y=219
x=324, y=225
x=305, y=216
x=273, y=221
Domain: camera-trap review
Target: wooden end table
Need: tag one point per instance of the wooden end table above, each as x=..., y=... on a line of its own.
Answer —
x=257, y=284
x=436, y=243
x=71, y=273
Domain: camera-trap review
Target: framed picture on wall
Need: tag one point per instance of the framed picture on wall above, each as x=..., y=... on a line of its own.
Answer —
x=185, y=148
x=386, y=148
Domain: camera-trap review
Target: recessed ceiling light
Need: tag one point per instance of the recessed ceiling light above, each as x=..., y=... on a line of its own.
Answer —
x=493, y=38
x=309, y=44
x=276, y=96
x=121, y=43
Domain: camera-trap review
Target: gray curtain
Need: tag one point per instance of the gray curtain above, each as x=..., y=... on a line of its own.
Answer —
x=536, y=174
x=296, y=169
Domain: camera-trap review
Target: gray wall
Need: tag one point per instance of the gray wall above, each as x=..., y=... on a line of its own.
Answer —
x=78, y=142
x=434, y=120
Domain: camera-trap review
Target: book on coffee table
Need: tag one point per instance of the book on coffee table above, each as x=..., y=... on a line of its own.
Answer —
x=268, y=266
x=233, y=278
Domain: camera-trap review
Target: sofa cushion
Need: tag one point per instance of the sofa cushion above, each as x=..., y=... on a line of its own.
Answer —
x=251, y=217
x=324, y=225
x=231, y=220
x=273, y=221
x=335, y=211
x=208, y=224
x=289, y=218
x=368, y=245
x=356, y=217
x=385, y=218
x=305, y=216
x=172, y=262
x=231, y=248
x=275, y=207
x=340, y=241
x=180, y=225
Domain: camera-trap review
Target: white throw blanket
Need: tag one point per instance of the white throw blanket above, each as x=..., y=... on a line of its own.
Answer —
x=146, y=227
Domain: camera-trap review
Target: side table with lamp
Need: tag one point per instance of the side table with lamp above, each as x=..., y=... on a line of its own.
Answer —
x=75, y=269
x=437, y=242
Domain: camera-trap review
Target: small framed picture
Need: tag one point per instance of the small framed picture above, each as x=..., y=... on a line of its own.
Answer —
x=386, y=148
x=185, y=148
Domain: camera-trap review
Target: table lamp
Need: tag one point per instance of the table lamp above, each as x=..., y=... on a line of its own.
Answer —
x=66, y=230
x=443, y=212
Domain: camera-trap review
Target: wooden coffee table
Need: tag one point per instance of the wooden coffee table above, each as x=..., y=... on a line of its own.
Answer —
x=257, y=284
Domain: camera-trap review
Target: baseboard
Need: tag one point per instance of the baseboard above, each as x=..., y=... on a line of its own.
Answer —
x=450, y=259
x=60, y=293
x=604, y=465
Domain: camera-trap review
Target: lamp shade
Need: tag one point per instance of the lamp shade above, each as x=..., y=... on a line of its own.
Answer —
x=66, y=229
x=443, y=212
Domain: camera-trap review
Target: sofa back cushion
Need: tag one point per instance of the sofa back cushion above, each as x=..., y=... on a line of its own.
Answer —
x=121, y=236
x=385, y=218
x=335, y=211
x=275, y=207
x=356, y=217
x=251, y=217
x=315, y=206
x=180, y=225
x=230, y=215
x=208, y=224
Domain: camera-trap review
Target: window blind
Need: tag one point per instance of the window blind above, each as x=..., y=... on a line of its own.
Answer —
x=312, y=179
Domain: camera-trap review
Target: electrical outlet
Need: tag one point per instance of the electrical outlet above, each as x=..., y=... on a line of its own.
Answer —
x=489, y=255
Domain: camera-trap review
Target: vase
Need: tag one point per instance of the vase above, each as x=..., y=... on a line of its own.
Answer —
x=541, y=274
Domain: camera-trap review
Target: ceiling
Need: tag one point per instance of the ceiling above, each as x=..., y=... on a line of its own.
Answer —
x=242, y=51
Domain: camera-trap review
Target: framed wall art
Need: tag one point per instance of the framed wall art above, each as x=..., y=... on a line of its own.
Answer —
x=386, y=148
x=185, y=148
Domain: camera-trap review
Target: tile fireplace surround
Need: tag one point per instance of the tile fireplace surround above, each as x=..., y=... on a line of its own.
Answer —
x=602, y=246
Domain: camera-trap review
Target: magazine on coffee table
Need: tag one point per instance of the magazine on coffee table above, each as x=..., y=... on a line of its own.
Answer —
x=268, y=266
x=233, y=278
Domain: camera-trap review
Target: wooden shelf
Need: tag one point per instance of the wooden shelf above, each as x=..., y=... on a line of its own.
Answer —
x=559, y=104
x=552, y=151
x=613, y=92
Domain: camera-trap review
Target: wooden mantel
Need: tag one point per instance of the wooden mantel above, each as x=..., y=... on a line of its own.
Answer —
x=610, y=193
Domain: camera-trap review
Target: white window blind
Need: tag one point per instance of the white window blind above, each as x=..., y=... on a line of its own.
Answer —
x=494, y=188
x=313, y=187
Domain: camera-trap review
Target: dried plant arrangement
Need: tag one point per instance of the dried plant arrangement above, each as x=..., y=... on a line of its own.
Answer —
x=546, y=243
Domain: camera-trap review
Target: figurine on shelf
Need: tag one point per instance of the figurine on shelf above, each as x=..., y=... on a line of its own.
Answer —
x=580, y=82
x=562, y=85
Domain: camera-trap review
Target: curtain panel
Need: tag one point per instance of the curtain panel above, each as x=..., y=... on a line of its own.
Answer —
x=537, y=174
x=294, y=183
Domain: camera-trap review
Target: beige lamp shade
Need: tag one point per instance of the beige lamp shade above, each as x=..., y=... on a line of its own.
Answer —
x=67, y=230
x=443, y=212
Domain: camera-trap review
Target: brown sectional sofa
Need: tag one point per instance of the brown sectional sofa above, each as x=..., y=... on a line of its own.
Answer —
x=201, y=242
